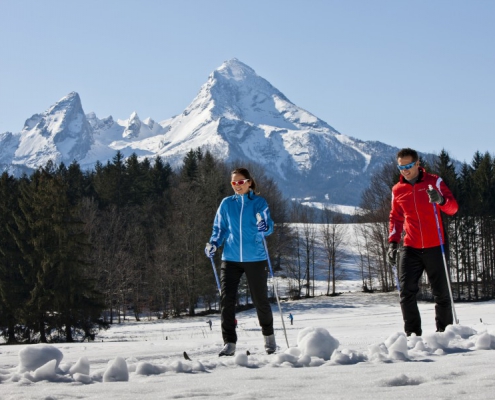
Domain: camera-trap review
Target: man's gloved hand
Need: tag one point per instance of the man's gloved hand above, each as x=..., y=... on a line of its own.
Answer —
x=210, y=250
x=434, y=195
x=262, y=227
x=392, y=253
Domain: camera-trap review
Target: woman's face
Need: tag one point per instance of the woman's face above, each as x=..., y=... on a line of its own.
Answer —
x=240, y=184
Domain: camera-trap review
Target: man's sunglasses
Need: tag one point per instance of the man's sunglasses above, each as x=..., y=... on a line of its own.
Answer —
x=407, y=166
x=238, y=183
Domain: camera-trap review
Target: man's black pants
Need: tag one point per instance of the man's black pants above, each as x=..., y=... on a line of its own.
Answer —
x=257, y=275
x=412, y=264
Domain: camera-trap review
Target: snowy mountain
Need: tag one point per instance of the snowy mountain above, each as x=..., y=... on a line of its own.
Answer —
x=237, y=115
x=61, y=134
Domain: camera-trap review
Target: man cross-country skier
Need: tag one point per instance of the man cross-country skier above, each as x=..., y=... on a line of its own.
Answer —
x=412, y=211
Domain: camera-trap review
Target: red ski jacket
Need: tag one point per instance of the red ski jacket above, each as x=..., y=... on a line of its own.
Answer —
x=413, y=212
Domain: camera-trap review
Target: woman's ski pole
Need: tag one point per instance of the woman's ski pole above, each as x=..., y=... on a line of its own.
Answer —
x=215, y=272
x=447, y=275
x=259, y=218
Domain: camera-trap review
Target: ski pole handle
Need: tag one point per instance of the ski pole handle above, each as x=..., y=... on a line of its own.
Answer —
x=430, y=187
x=259, y=218
x=215, y=272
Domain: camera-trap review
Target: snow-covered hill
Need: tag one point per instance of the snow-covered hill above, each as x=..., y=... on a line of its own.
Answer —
x=237, y=115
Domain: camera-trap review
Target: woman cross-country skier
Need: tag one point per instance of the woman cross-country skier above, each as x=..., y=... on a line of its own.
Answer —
x=238, y=230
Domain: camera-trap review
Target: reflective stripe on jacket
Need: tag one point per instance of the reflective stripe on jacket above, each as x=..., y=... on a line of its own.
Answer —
x=235, y=228
x=412, y=211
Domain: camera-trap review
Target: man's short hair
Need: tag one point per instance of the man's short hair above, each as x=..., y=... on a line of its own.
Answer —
x=408, y=152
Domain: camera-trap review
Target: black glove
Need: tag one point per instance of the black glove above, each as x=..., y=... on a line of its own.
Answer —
x=262, y=227
x=392, y=253
x=434, y=196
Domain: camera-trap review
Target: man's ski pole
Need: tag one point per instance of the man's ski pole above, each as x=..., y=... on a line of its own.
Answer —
x=447, y=275
x=396, y=276
x=259, y=218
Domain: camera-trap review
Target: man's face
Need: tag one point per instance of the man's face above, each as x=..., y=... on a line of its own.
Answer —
x=411, y=172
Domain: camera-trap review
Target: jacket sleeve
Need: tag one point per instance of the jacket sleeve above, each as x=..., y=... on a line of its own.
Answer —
x=265, y=214
x=396, y=221
x=450, y=205
x=220, y=227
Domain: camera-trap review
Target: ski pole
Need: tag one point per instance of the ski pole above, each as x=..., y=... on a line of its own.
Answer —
x=216, y=275
x=396, y=276
x=259, y=218
x=447, y=275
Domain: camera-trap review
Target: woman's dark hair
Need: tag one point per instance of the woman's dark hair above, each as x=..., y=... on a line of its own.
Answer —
x=408, y=152
x=245, y=173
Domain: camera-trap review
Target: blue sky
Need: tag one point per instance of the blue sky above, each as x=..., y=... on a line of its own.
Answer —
x=407, y=73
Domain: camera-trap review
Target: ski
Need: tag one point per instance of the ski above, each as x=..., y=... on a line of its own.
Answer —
x=248, y=353
x=186, y=356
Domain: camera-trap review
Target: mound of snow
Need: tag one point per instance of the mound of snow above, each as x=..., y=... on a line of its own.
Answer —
x=485, y=341
x=117, y=371
x=317, y=342
x=81, y=367
x=46, y=372
x=35, y=356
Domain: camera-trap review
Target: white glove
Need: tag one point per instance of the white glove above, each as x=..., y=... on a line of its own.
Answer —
x=210, y=250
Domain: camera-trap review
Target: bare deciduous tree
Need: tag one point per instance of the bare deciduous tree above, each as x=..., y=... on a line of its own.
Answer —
x=334, y=238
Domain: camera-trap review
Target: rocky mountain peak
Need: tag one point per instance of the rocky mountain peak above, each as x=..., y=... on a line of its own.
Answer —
x=237, y=115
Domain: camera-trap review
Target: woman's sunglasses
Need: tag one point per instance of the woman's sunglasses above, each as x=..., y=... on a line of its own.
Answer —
x=238, y=183
x=407, y=166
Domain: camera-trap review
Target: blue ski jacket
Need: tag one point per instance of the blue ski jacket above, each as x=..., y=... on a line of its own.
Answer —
x=235, y=228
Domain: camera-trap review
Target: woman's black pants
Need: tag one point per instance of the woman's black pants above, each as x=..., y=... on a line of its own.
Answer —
x=256, y=275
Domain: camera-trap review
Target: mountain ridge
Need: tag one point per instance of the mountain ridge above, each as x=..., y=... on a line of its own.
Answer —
x=236, y=115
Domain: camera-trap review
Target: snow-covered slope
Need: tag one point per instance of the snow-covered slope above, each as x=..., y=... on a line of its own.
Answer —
x=237, y=115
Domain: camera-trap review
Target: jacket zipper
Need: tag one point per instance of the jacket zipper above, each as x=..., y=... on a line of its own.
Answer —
x=240, y=227
x=419, y=219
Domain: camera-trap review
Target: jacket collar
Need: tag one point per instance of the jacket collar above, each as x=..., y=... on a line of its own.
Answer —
x=420, y=176
x=249, y=195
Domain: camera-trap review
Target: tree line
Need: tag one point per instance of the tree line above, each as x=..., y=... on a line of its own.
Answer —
x=470, y=243
x=81, y=249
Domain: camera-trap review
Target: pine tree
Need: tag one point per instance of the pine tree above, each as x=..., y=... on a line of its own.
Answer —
x=13, y=290
x=55, y=249
x=484, y=182
x=110, y=182
x=136, y=173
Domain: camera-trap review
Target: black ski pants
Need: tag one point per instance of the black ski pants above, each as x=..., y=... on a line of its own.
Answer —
x=412, y=264
x=257, y=275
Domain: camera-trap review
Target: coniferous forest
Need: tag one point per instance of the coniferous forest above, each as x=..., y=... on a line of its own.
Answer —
x=83, y=249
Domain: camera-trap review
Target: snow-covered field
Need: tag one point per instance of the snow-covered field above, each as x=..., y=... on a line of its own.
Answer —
x=345, y=347
x=372, y=359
